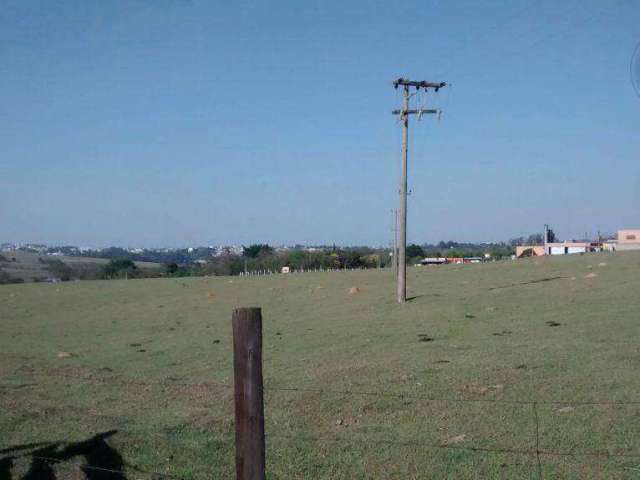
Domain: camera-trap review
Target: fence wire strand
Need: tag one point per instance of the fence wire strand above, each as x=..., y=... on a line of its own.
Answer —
x=351, y=392
x=413, y=396
x=414, y=443
x=86, y=466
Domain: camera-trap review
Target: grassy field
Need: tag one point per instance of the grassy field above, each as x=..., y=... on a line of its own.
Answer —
x=146, y=387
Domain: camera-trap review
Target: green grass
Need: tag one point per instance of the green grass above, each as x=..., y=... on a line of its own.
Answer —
x=171, y=415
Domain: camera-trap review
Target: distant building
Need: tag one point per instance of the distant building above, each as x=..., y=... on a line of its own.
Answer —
x=555, y=248
x=434, y=261
x=628, y=240
x=567, y=248
x=446, y=260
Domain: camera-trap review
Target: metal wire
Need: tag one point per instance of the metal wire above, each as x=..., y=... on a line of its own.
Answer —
x=378, y=393
x=87, y=466
x=415, y=443
x=412, y=396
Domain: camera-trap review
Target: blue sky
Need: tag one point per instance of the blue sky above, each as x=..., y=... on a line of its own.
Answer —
x=168, y=123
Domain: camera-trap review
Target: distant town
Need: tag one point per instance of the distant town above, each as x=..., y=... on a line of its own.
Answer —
x=33, y=262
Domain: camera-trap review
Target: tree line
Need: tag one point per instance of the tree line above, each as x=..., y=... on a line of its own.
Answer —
x=253, y=258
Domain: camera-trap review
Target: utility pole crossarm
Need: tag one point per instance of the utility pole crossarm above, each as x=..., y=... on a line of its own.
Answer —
x=420, y=111
x=418, y=84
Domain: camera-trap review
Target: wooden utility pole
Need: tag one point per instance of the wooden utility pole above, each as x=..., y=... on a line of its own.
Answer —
x=395, y=241
x=247, y=376
x=404, y=117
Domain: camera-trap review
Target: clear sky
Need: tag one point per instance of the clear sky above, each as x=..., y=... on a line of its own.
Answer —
x=170, y=123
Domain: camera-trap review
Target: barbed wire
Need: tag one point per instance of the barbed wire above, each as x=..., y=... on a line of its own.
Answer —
x=350, y=392
x=444, y=446
x=413, y=396
x=86, y=466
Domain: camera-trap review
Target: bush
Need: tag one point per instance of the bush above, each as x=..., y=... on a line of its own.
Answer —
x=120, y=268
x=59, y=269
x=5, y=278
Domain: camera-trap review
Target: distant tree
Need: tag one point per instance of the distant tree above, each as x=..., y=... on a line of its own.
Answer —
x=257, y=250
x=175, y=270
x=172, y=268
x=59, y=269
x=87, y=271
x=414, y=251
x=6, y=278
x=535, y=239
x=350, y=259
x=226, y=265
x=514, y=242
x=118, y=268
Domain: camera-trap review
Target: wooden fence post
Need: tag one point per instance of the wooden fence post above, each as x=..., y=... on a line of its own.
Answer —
x=247, y=376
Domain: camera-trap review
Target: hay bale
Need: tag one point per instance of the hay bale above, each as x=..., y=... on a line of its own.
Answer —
x=65, y=355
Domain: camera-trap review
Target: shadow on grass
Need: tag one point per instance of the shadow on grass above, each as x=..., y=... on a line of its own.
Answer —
x=101, y=461
x=540, y=280
x=415, y=297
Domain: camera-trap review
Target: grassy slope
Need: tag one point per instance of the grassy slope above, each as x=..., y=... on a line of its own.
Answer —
x=147, y=363
x=28, y=266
